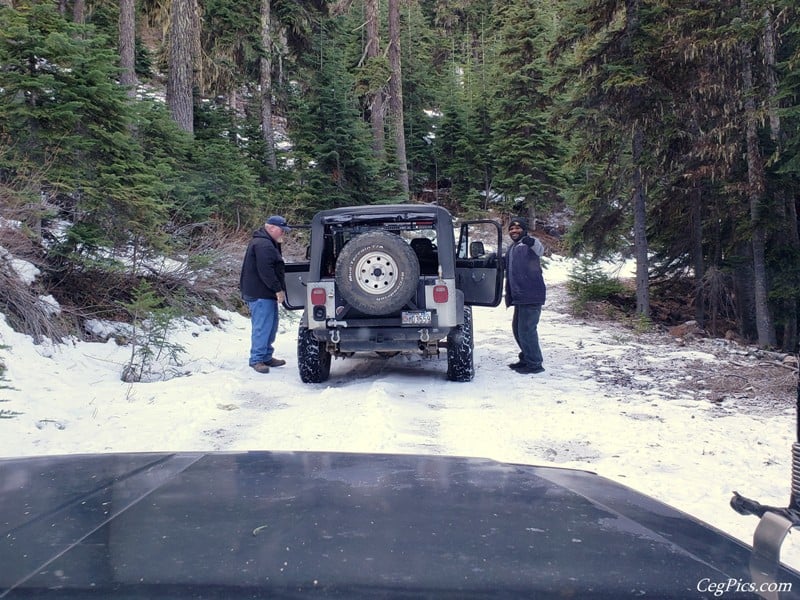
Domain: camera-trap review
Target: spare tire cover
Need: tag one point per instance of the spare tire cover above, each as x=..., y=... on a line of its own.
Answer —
x=377, y=272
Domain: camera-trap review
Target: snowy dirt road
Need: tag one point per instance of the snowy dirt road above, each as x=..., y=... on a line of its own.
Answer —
x=612, y=402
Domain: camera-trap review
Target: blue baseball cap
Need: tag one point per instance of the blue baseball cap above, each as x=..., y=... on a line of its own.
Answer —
x=279, y=221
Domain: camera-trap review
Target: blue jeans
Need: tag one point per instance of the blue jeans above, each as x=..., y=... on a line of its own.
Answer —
x=264, y=324
x=524, y=325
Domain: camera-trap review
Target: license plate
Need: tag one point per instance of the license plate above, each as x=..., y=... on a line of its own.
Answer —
x=416, y=317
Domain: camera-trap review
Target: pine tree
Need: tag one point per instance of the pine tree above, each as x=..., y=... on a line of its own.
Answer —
x=787, y=172
x=526, y=150
x=617, y=105
x=450, y=135
x=332, y=142
x=735, y=121
x=61, y=107
x=422, y=82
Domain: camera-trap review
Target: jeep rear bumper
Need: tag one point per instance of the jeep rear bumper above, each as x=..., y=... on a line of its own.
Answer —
x=380, y=339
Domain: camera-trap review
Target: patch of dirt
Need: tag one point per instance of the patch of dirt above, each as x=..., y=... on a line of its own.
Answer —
x=739, y=377
x=748, y=384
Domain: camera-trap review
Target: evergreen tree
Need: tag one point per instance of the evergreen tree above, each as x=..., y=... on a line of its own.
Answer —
x=482, y=159
x=784, y=254
x=332, y=142
x=61, y=107
x=456, y=150
x=450, y=134
x=617, y=106
x=424, y=75
x=527, y=153
x=734, y=121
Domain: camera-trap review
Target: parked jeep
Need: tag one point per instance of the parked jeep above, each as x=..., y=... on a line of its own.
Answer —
x=392, y=279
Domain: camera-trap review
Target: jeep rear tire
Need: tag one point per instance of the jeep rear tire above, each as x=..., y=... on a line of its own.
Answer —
x=377, y=273
x=460, y=346
x=313, y=360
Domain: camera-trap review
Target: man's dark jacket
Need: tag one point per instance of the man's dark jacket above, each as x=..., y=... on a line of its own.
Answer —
x=263, y=269
x=524, y=280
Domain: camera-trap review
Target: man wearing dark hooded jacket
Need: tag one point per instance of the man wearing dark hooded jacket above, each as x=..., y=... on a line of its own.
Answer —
x=526, y=292
x=262, y=284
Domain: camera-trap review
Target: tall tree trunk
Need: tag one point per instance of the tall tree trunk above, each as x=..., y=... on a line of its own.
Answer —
x=265, y=80
x=196, y=29
x=79, y=11
x=376, y=101
x=697, y=254
x=127, y=46
x=180, y=77
x=396, y=94
x=756, y=189
x=530, y=214
x=744, y=289
x=640, y=247
x=790, y=333
x=638, y=201
x=770, y=49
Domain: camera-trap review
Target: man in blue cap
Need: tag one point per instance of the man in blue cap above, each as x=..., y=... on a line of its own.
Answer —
x=526, y=292
x=263, y=286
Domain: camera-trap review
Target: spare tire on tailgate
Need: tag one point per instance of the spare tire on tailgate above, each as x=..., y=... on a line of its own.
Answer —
x=377, y=273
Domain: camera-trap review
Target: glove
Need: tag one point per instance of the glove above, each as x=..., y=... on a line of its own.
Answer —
x=534, y=244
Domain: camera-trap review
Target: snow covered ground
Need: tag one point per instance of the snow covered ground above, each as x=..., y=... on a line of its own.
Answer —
x=609, y=402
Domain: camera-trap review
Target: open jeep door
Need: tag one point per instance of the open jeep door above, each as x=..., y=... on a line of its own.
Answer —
x=296, y=277
x=479, y=262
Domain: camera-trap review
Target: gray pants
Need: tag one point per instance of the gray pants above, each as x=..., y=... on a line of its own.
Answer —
x=524, y=325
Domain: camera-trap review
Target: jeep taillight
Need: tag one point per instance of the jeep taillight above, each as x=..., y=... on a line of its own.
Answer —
x=440, y=294
x=318, y=296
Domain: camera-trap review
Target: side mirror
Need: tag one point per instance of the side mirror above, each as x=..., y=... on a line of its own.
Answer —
x=476, y=249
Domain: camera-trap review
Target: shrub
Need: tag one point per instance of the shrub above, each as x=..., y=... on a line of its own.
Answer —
x=152, y=354
x=588, y=282
x=5, y=414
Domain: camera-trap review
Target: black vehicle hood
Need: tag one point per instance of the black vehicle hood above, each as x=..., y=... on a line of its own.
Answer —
x=267, y=524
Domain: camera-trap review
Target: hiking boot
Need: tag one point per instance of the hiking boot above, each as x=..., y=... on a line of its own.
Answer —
x=528, y=370
x=276, y=362
x=260, y=367
x=516, y=365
